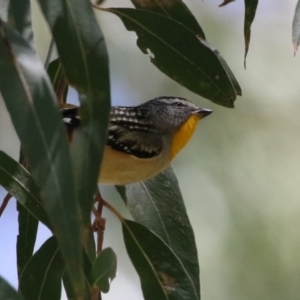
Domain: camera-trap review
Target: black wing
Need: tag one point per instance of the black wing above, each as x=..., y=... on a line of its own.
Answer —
x=129, y=131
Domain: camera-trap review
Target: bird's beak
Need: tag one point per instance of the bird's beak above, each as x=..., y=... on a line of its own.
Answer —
x=203, y=112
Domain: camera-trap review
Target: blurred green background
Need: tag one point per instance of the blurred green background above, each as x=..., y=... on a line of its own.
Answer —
x=240, y=173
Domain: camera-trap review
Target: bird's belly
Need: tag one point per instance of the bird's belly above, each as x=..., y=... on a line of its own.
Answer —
x=120, y=169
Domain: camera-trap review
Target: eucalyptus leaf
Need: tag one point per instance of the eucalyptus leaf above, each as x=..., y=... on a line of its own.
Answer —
x=87, y=276
x=86, y=68
x=41, y=278
x=250, y=11
x=33, y=109
x=180, y=54
x=225, y=2
x=296, y=28
x=20, y=184
x=104, y=269
x=58, y=79
x=7, y=291
x=158, y=204
x=28, y=226
x=162, y=274
x=174, y=9
x=20, y=13
x=4, y=7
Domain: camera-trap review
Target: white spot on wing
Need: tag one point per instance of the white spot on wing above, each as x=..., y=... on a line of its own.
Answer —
x=67, y=120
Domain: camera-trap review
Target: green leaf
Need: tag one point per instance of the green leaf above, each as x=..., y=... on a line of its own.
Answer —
x=250, y=10
x=224, y=64
x=20, y=13
x=87, y=276
x=296, y=28
x=26, y=238
x=41, y=278
x=20, y=184
x=4, y=7
x=31, y=102
x=104, y=269
x=158, y=204
x=161, y=273
x=7, y=291
x=174, y=9
x=86, y=67
x=180, y=54
x=58, y=80
x=225, y=2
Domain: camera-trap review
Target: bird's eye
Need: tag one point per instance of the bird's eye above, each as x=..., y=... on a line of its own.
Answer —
x=178, y=104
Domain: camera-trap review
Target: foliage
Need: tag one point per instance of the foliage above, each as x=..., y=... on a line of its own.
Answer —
x=58, y=187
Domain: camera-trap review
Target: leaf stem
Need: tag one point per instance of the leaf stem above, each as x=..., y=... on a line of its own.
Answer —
x=113, y=210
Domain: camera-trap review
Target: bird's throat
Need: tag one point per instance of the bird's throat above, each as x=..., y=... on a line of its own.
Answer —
x=183, y=135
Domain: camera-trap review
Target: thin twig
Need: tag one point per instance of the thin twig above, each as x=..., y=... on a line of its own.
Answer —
x=99, y=227
x=4, y=203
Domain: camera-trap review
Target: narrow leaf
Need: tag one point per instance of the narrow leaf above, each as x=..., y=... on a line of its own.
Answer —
x=41, y=278
x=104, y=269
x=26, y=238
x=32, y=105
x=59, y=80
x=250, y=10
x=158, y=204
x=20, y=184
x=28, y=226
x=174, y=9
x=88, y=280
x=86, y=68
x=20, y=11
x=7, y=292
x=296, y=28
x=225, y=2
x=161, y=273
x=4, y=7
x=224, y=64
x=180, y=54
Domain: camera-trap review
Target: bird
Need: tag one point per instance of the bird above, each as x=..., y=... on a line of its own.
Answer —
x=143, y=140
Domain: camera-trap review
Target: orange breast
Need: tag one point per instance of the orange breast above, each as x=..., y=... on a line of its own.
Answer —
x=183, y=135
